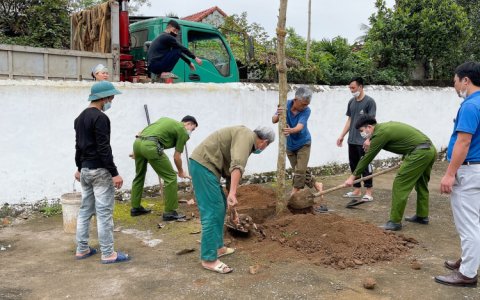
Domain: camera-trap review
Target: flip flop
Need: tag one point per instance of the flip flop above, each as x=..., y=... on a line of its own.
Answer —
x=121, y=257
x=321, y=209
x=351, y=195
x=220, y=268
x=93, y=251
x=355, y=202
x=227, y=252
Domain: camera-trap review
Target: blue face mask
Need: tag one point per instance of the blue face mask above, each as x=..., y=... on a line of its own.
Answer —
x=257, y=151
x=107, y=106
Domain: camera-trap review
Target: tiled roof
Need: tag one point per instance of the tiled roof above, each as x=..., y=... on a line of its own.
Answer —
x=198, y=17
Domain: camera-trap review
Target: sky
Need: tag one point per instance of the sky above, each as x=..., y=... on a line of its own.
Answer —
x=329, y=18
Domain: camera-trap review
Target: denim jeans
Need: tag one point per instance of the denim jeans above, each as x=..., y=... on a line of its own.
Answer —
x=97, y=198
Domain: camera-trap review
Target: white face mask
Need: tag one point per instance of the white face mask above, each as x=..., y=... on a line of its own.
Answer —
x=189, y=132
x=462, y=94
x=365, y=134
x=356, y=94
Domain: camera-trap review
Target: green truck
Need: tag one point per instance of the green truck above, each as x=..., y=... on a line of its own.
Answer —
x=106, y=34
x=204, y=40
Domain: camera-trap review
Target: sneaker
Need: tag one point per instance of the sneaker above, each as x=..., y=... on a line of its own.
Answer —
x=134, y=212
x=417, y=219
x=392, y=226
x=172, y=216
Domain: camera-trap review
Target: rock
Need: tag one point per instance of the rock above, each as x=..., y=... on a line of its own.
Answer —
x=369, y=283
x=358, y=262
x=416, y=265
x=253, y=269
x=185, y=251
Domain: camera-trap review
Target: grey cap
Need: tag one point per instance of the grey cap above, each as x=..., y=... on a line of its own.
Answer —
x=265, y=133
x=304, y=93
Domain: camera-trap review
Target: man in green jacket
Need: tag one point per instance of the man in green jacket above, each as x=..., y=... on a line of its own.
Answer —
x=222, y=154
x=419, y=156
x=148, y=148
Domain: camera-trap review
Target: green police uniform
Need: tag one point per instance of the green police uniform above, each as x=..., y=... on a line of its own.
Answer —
x=166, y=133
x=419, y=156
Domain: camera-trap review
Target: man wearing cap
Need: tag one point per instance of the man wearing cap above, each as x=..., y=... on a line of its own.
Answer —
x=97, y=173
x=100, y=72
x=222, y=154
x=148, y=148
x=165, y=51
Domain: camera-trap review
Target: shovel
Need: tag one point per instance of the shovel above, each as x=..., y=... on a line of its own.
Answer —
x=233, y=222
x=305, y=198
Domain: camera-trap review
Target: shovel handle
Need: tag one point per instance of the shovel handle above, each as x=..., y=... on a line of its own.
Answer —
x=356, y=181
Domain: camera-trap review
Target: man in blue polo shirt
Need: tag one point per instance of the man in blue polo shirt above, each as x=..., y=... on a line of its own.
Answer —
x=299, y=139
x=462, y=178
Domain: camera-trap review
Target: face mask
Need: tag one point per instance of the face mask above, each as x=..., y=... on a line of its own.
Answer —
x=257, y=151
x=189, y=132
x=462, y=94
x=107, y=106
x=356, y=94
x=364, y=134
x=173, y=34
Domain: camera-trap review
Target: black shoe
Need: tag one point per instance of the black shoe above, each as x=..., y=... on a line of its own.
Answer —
x=417, y=219
x=139, y=211
x=392, y=226
x=172, y=216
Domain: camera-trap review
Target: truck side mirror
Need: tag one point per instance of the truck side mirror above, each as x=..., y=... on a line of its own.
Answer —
x=146, y=45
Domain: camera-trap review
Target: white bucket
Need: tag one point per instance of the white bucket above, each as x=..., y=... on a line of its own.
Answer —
x=70, y=208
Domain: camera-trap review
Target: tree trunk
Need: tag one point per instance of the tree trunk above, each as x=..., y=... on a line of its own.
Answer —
x=309, y=26
x=282, y=100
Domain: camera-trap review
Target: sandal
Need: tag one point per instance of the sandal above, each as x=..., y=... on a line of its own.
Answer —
x=121, y=257
x=92, y=251
x=351, y=195
x=220, y=268
x=228, y=251
x=367, y=198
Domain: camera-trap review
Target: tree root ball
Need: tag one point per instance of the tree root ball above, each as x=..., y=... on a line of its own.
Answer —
x=369, y=283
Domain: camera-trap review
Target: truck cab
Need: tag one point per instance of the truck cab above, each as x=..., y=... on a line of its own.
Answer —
x=204, y=40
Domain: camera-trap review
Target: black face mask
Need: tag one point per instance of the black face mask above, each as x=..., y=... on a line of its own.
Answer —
x=173, y=34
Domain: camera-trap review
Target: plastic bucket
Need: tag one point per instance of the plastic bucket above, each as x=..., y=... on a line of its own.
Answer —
x=70, y=207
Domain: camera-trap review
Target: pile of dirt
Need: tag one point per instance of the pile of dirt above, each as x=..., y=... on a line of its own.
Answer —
x=322, y=239
x=333, y=240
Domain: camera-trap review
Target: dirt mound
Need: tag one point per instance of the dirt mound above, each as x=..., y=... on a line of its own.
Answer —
x=333, y=240
x=257, y=201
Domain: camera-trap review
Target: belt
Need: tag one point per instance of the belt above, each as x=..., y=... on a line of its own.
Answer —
x=467, y=163
x=148, y=138
x=426, y=145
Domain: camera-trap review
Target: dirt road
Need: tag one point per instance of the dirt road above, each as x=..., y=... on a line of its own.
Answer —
x=40, y=264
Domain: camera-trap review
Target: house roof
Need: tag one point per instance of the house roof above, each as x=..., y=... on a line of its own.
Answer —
x=198, y=17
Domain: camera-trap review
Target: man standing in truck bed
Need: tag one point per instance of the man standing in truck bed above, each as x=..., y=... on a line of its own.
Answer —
x=165, y=51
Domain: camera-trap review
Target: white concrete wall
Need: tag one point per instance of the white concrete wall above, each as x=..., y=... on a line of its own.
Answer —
x=37, y=136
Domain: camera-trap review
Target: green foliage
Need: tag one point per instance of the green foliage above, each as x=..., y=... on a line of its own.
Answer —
x=416, y=32
x=51, y=209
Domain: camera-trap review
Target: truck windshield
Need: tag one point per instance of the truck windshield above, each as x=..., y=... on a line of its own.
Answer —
x=209, y=46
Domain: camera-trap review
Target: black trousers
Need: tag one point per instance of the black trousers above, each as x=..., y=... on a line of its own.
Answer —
x=166, y=63
x=355, y=153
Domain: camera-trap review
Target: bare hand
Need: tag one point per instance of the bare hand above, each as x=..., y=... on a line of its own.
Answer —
x=117, y=181
x=77, y=175
x=366, y=144
x=232, y=200
x=192, y=67
x=349, y=181
x=182, y=174
x=199, y=61
x=280, y=111
x=287, y=131
x=446, y=184
x=340, y=141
